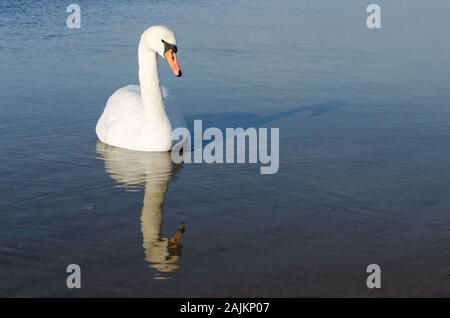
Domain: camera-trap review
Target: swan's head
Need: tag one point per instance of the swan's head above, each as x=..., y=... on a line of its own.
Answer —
x=162, y=40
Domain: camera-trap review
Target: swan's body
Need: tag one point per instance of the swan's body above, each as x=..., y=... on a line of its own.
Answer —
x=137, y=117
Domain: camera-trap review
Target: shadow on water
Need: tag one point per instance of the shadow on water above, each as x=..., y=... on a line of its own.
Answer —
x=243, y=119
x=153, y=171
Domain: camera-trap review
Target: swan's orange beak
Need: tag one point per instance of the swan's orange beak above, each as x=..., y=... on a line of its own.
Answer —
x=171, y=58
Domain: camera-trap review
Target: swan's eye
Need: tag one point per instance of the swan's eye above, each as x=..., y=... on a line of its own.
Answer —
x=168, y=46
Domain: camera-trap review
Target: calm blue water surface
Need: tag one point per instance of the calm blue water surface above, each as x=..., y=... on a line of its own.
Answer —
x=364, y=151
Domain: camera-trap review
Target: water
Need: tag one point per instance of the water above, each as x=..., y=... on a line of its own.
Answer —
x=364, y=171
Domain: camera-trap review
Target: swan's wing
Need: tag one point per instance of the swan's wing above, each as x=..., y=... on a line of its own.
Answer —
x=122, y=108
x=174, y=112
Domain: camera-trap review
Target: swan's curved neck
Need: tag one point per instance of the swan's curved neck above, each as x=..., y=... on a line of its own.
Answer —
x=151, y=93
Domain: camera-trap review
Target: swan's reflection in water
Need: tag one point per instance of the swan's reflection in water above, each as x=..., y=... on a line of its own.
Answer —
x=153, y=170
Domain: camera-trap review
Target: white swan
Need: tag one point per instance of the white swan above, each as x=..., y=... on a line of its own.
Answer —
x=137, y=118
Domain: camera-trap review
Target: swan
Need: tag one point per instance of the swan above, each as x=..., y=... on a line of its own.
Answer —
x=136, y=117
